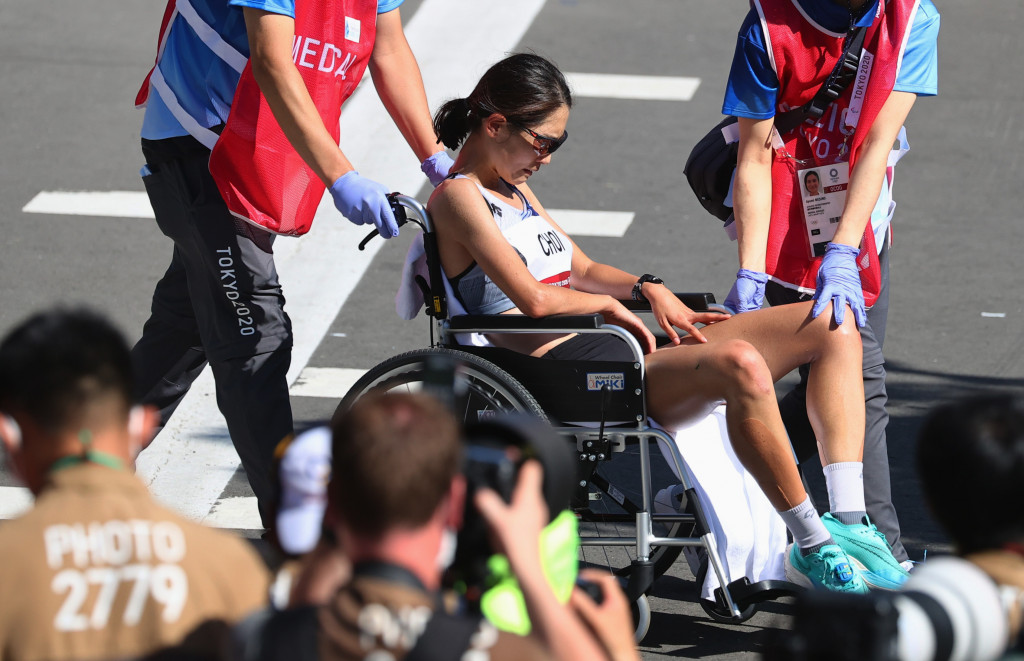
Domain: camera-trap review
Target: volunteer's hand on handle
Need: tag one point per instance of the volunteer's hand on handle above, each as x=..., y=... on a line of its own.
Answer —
x=364, y=202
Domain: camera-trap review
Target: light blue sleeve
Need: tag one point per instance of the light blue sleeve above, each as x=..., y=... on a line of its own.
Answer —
x=286, y=7
x=753, y=86
x=919, y=73
x=384, y=6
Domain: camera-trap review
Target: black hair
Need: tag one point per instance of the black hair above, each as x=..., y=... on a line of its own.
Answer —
x=524, y=87
x=809, y=173
x=970, y=459
x=393, y=458
x=57, y=362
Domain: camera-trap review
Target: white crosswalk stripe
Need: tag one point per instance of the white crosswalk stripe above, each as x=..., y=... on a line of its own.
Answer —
x=14, y=501
x=652, y=88
x=113, y=204
x=325, y=382
x=134, y=204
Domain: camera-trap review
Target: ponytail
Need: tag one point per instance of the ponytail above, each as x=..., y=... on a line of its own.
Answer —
x=453, y=122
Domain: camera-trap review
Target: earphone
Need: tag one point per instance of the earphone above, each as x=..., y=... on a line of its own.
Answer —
x=10, y=431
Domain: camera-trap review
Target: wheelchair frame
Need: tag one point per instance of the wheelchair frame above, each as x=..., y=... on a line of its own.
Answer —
x=734, y=601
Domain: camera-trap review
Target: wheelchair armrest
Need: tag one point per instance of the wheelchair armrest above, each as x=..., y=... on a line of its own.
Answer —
x=514, y=322
x=698, y=302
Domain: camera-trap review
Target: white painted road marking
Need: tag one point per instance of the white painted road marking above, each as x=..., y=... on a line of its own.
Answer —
x=134, y=204
x=331, y=382
x=652, y=88
x=241, y=512
x=577, y=222
x=114, y=204
x=14, y=501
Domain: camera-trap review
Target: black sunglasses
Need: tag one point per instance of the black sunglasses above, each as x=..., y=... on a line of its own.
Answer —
x=542, y=144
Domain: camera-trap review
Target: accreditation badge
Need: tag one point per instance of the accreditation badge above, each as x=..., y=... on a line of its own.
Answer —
x=823, y=195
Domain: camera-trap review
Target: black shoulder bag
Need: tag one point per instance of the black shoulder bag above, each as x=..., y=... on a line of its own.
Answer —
x=709, y=168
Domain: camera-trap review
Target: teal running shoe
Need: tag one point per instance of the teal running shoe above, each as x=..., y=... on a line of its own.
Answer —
x=829, y=568
x=869, y=552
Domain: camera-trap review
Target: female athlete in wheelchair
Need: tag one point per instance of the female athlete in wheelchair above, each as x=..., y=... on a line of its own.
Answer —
x=504, y=254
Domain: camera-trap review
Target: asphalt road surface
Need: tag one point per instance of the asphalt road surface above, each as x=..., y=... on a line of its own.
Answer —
x=69, y=72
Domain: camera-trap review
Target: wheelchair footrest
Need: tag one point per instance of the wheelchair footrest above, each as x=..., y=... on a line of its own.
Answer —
x=745, y=594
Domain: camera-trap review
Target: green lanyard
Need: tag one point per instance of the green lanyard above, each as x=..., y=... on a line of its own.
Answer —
x=88, y=456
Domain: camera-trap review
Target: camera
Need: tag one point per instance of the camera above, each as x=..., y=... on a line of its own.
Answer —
x=592, y=590
x=948, y=610
x=495, y=449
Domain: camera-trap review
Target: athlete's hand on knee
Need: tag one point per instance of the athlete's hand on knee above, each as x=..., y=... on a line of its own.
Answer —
x=747, y=292
x=671, y=313
x=617, y=315
x=839, y=283
x=437, y=167
x=364, y=201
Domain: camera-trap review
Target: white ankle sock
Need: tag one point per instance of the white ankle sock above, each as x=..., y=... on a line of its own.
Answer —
x=806, y=526
x=845, y=481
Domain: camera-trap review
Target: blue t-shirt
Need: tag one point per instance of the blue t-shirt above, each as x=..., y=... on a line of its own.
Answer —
x=204, y=83
x=753, y=87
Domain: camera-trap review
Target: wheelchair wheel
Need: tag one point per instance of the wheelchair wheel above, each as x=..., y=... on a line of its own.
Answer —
x=641, y=612
x=487, y=388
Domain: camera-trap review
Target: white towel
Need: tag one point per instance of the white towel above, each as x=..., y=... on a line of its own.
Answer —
x=409, y=297
x=750, y=534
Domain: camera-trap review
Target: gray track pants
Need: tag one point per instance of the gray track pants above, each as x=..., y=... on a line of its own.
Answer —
x=218, y=302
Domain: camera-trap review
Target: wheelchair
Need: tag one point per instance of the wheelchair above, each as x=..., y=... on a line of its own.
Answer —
x=599, y=407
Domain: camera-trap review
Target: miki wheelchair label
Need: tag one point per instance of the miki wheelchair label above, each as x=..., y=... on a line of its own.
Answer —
x=613, y=380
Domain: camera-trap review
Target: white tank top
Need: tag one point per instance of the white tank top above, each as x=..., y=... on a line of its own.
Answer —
x=546, y=252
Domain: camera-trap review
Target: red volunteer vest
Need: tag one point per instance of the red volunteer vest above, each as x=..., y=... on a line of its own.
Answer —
x=804, y=54
x=261, y=177
x=258, y=173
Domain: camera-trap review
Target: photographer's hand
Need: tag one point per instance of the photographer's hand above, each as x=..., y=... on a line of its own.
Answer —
x=516, y=526
x=516, y=530
x=610, y=621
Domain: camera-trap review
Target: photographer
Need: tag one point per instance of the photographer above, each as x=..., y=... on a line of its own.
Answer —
x=970, y=458
x=396, y=496
x=97, y=569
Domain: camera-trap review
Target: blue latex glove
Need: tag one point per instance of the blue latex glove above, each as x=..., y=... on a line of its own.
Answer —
x=363, y=201
x=747, y=292
x=839, y=283
x=436, y=167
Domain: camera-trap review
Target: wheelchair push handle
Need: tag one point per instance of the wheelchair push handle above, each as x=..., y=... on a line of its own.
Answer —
x=399, y=204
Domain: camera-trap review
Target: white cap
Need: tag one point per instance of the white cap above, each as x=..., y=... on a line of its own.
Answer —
x=304, y=470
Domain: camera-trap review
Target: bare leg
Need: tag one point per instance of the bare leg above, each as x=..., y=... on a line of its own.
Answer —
x=687, y=382
x=743, y=357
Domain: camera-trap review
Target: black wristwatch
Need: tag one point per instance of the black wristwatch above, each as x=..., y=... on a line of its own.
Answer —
x=638, y=288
